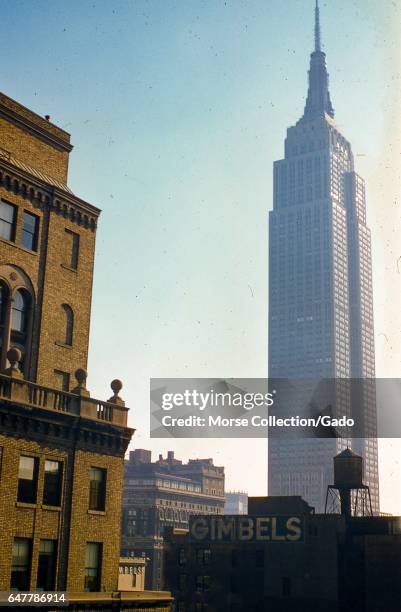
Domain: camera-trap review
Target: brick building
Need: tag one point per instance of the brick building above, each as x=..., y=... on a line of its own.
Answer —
x=61, y=451
x=163, y=494
x=259, y=562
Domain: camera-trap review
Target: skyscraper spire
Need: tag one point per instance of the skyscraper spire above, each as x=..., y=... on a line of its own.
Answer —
x=318, y=102
x=317, y=27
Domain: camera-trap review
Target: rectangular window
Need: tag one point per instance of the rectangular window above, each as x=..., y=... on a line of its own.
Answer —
x=93, y=560
x=203, y=583
x=97, y=489
x=21, y=564
x=131, y=527
x=182, y=582
x=52, y=483
x=203, y=556
x=27, y=479
x=72, y=249
x=182, y=559
x=63, y=380
x=7, y=220
x=47, y=565
x=29, y=232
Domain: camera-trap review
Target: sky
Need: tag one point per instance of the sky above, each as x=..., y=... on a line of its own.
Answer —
x=177, y=110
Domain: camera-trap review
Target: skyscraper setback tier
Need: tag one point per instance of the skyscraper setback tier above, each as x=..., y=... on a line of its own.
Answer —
x=320, y=287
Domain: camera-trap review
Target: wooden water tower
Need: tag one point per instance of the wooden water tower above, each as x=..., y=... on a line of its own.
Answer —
x=348, y=495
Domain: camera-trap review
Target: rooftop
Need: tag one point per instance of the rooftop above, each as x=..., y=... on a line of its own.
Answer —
x=142, y=458
x=40, y=126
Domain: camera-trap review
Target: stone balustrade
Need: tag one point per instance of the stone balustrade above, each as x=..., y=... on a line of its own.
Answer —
x=14, y=388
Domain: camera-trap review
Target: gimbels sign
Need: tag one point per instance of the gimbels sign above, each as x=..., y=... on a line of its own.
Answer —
x=246, y=528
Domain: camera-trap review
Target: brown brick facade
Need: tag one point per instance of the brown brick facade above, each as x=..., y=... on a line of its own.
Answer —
x=54, y=284
x=33, y=140
x=69, y=528
x=31, y=188
x=18, y=519
x=46, y=413
x=63, y=285
x=97, y=527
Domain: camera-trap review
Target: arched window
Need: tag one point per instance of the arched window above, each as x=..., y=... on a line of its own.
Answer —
x=20, y=313
x=69, y=324
x=17, y=305
x=4, y=294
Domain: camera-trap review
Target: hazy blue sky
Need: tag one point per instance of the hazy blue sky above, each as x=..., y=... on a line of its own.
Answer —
x=177, y=110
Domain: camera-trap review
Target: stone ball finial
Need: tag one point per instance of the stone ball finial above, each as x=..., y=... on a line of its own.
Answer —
x=14, y=356
x=116, y=386
x=81, y=375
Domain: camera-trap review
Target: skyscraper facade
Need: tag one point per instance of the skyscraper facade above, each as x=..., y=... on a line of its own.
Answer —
x=320, y=287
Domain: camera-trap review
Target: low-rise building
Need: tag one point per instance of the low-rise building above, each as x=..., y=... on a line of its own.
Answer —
x=236, y=502
x=131, y=575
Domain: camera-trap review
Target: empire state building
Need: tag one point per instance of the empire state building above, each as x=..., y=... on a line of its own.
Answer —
x=320, y=285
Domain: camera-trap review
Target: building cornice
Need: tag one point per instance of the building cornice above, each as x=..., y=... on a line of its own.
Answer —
x=63, y=430
x=47, y=195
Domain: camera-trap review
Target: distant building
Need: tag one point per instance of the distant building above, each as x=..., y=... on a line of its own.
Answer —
x=236, y=502
x=161, y=494
x=320, y=289
x=131, y=575
x=61, y=451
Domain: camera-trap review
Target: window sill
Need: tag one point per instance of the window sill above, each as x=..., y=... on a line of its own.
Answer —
x=18, y=246
x=63, y=345
x=51, y=508
x=99, y=512
x=20, y=504
x=75, y=270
